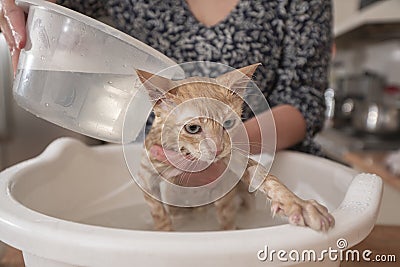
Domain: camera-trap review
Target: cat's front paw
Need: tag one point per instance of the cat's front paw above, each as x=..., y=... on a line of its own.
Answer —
x=305, y=213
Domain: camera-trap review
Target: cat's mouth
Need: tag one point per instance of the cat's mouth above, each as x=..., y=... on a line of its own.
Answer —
x=187, y=154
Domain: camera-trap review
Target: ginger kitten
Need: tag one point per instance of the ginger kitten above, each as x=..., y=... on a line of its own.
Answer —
x=201, y=132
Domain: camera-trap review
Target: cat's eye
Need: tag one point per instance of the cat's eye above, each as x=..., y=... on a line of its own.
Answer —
x=192, y=128
x=228, y=124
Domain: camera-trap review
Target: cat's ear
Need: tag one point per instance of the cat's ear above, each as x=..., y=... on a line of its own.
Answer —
x=238, y=79
x=158, y=89
x=156, y=86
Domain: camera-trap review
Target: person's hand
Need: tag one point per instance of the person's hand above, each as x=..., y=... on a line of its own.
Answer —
x=12, y=25
x=190, y=179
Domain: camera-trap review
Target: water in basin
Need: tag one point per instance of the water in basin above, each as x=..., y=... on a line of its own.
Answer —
x=137, y=217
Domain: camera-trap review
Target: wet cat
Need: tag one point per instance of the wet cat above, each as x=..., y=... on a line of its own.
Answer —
x=201, y=131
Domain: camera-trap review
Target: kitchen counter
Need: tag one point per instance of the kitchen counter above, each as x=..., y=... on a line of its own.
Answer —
x=383, y=240
x=363, y=154
x=373, y=162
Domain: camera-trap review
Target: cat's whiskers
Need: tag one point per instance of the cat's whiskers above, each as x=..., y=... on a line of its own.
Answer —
x=189, y=174
x=183, y=176
x=251, y=94
x=253, y=144
x=247, y=142
x=241, y=151
x=186, y=176
x=181, y=164
x=178, y=164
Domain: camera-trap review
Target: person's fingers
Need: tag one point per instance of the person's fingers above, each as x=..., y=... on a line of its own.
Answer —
x=12, y=25
x=5, y=29
x=206, y=176
x=14, y=59
x=15, y=19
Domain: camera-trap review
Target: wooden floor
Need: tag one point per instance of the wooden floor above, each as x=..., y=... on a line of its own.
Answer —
x=383, y=240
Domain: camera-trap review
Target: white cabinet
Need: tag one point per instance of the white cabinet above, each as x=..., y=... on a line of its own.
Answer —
x=378, y=21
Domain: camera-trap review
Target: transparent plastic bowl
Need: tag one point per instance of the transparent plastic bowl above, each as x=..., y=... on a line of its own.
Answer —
x=80, y=73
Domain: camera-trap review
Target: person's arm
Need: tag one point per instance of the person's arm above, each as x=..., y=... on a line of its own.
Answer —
x=290, y=128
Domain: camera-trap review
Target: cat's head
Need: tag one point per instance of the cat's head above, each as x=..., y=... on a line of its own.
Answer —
x=197, y=115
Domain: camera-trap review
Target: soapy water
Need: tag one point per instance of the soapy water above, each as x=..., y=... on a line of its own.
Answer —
x=91, y=103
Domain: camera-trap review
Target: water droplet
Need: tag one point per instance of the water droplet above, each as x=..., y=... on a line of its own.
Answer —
x=46, y=105
x=109, y=82
x=124, y=65
x=82, y=54
x=42, y=57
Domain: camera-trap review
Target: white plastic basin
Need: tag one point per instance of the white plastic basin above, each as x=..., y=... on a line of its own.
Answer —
x=78, y=206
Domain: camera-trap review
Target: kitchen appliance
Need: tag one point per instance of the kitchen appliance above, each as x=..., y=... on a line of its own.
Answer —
x=360, y=106
x=362, y=114
x=374, y=117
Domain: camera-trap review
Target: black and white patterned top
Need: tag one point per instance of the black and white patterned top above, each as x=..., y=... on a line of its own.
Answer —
x=291, y=38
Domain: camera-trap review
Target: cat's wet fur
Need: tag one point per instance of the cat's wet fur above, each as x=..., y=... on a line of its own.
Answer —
x=201, y=130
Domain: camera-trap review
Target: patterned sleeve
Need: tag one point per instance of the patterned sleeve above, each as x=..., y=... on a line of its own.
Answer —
x=303, y=71
x=91, y=8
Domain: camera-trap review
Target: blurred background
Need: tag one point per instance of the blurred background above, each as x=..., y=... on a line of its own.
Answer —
x=363, y=102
